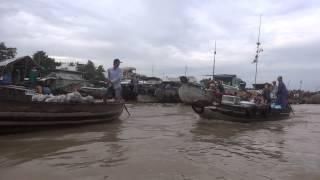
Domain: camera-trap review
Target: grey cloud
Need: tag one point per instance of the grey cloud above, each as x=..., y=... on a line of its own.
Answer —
x=166, y=34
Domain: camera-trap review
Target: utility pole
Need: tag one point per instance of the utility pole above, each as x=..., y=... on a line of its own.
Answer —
x=259, y=49
x=214, y=59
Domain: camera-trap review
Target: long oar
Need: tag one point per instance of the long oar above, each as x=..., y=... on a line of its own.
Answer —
x=292, y=110
x=125, y=107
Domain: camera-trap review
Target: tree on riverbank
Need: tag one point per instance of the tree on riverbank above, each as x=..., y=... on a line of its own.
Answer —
x=45, y=61
x=100, y=73
x=7, y=52
x=91, y=73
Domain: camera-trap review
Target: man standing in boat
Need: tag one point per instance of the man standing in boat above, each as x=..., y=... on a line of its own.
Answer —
x=115, y=76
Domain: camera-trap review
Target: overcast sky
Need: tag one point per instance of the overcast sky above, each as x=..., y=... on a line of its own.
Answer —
x=172, y=34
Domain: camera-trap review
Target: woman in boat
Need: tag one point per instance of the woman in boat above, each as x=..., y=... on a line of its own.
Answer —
x=282, y=94
x=6, y=79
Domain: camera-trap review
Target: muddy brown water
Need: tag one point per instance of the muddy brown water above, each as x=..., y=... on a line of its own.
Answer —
x=168, y=141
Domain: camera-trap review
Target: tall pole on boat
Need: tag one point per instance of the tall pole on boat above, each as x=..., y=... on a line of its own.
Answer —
x=185, y=70
x=152, y=70
x=259, y=49
x=214, y=59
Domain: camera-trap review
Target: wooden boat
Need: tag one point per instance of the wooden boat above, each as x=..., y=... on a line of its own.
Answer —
x=240, y=112
x=17, y=109
x=168, y=92
x=129, y=90
x=147, y=88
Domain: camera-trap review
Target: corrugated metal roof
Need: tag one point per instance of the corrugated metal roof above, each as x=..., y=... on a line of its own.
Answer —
x=8, y=61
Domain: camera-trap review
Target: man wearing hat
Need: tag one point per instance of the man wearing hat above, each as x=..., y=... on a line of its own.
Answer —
x=115, y=76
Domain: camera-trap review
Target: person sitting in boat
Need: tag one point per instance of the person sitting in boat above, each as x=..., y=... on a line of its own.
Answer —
x=282, y=94
x=251, y=97
x=212, y=86
x=6, y=79
x=49, y=86
x=46, y=90
x=39, y=89
x=258, y=100
x=220, y=87
x=115, y=76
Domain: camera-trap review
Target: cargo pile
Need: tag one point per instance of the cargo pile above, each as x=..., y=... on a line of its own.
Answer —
x=74, y=97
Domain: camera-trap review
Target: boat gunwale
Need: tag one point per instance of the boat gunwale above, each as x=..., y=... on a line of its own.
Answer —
x=214, y=111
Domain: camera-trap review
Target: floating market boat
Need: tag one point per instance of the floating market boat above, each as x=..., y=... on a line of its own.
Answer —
x=168, y=92
x=232, y=109
x=146, y=89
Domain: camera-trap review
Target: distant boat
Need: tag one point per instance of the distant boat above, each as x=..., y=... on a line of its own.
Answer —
x=146, y=89
x=191, y=92
x=168, y=92
x=129, y=89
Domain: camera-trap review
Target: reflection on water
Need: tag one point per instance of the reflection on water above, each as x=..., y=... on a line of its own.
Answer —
x=79, y=147
x=168, y=141
x=246, y=140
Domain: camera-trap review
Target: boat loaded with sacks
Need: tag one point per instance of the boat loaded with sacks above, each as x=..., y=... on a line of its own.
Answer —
x=19, y=107
x=232, y=109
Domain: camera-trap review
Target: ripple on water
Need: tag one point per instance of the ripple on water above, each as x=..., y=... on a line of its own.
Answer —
x=171, y=142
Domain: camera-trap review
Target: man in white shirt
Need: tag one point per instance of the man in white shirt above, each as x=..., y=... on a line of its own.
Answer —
x=115, y=76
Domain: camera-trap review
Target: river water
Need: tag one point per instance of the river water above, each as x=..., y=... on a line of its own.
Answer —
x=168, y=141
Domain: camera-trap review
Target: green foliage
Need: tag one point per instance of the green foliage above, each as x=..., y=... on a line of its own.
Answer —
x=6, y=52
x=91, y=72
x=43, y=60
x=100, y=73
